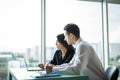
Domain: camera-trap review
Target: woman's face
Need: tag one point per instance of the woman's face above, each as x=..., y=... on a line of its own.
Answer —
x=59, y=45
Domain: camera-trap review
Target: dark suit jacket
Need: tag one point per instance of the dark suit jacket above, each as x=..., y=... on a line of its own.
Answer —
x=57, y=59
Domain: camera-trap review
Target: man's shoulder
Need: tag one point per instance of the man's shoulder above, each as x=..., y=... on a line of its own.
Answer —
x=85, y=44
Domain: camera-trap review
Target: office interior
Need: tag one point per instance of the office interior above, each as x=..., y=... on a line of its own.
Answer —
x=28, y=28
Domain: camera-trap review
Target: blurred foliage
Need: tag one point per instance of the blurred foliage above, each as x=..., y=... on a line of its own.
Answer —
x=3, y=68
x=32, y=60
x=4, y=63
x=118, y=57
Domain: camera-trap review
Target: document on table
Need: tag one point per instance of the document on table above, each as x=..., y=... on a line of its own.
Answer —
x=41, y=74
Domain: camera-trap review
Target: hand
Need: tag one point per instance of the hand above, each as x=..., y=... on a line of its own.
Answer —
x=51, y=65
x=41, y=66
x=48, y=69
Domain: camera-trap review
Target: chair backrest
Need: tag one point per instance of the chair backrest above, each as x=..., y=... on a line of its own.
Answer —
x=112, y=73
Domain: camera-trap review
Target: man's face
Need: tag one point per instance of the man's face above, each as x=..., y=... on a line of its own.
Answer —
x=68, y=38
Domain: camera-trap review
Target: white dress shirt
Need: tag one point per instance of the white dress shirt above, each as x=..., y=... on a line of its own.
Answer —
x=85, y=60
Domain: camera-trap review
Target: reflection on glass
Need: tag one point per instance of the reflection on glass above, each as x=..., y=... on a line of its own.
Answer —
x=20, y=33
x=114, y=31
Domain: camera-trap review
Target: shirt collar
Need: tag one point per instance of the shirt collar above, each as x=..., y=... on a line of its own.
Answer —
x=78, y=41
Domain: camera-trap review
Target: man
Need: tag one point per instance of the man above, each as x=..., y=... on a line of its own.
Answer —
x=85, y=59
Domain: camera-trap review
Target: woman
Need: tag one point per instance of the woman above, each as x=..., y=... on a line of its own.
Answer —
x=63, y=54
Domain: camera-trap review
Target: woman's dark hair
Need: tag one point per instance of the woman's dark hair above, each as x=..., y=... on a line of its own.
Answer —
x=60, y=38
x=72, y=28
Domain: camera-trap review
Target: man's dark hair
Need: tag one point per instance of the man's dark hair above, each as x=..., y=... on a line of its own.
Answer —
x=72, y=28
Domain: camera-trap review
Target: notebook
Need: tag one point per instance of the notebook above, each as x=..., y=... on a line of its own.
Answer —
x=42, y=74
x=29, y=68
x=47, y=75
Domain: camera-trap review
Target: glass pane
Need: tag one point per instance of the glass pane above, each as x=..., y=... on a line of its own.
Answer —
x=20, y=34
x=114, y=31
x=87, y=15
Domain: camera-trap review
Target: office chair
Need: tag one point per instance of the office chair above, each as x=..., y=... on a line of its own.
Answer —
x=112, y=73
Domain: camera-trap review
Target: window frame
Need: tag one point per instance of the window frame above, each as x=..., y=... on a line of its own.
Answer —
x=105, y=26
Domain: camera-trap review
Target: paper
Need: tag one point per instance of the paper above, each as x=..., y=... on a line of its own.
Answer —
x=41, y=74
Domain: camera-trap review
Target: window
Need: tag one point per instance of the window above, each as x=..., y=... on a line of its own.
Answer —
x=114, y=31
x=87, y=15
x=20, y=33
